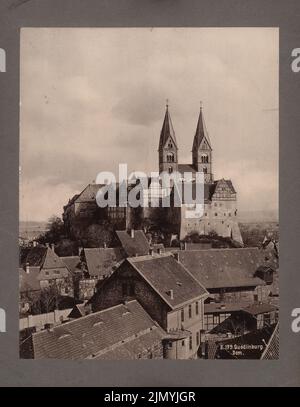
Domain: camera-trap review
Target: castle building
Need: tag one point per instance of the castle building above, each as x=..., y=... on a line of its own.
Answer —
x=220, y=198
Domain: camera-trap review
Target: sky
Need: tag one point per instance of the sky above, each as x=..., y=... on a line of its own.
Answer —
x=92, y=98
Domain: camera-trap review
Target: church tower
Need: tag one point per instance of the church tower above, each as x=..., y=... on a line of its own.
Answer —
x=167, y=149
x=202, y=151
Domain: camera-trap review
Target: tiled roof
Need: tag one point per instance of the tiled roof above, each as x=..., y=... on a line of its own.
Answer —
x=256, y=309
x=137, y=245
x=221, y=268
x=72, y=263
x=166, y=275
x=90, y=335
x=89, y=193
x=42, y=257
x=100, y=261
x=135, y=347
x=29, y=281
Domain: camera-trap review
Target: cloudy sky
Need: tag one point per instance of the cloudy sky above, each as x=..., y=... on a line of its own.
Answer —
x=93, y=98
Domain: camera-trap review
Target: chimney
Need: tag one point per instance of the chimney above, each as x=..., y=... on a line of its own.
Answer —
x=132, y=233
x=176, y=255
x=27, y=268
x=171, y=294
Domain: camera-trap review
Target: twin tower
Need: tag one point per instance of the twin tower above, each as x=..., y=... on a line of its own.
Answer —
x=201, y=150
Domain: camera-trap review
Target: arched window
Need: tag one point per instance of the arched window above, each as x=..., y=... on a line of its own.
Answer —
x=170, y=145
x=204, y=158
x=170, y=158
x=205, y=170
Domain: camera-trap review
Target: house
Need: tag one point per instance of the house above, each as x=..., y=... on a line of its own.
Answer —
x=52, y=271
x=169, y=294
x=134, y=242
x=124, y=331
x=29, y=288
x=237, y=319
x=227, y=274
x=96, y=265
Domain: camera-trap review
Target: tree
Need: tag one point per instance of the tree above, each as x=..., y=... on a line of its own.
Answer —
x=55, y=231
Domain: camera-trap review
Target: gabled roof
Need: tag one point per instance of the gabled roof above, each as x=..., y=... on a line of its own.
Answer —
x=201, y=133
x=100, y=261
x=29, y=281
x=43, y=257
x=72, y=263
x=96, y=333
x=137, y=245
x=224, y=268
x=89, y=193
x=51, y=260
x=167, y=131
x=169, y=278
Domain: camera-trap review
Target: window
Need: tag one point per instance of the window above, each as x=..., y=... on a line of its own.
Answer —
x=182, y=343
x=216, y=214
x=197, y=308
x=204, y=158
x=170, y=170
x=229, y=214
x=198, y=338
x=204, y=170
x=170, y=345
x=191, y=342
x=170, y=158
x=190, y=311
x=170, y=145
x=182, y=315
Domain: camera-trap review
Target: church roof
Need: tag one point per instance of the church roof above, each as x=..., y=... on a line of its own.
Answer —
x=201, y=132
x=167, y=130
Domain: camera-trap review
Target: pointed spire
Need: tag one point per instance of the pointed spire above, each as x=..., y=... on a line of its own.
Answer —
x=167, y=129
x=201, y=131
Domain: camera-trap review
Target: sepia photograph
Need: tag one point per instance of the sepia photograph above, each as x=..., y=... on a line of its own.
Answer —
x=149, y=193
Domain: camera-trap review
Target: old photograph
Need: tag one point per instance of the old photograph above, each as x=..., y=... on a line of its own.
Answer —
x=148, y=224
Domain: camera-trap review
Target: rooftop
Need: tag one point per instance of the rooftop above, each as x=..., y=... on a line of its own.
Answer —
x=221, y=268
x=169, y=278
x=134, y=242
x=100, y=261
x=96, y=333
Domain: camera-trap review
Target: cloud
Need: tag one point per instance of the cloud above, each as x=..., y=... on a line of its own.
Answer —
x=93, y=98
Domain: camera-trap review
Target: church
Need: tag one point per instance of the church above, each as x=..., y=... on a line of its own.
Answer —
x=220, y=197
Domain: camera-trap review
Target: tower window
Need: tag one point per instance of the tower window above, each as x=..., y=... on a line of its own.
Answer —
x=170, y=145
x=204, y=158
x=170, y=170
x=170, y=158
x=205, y=170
